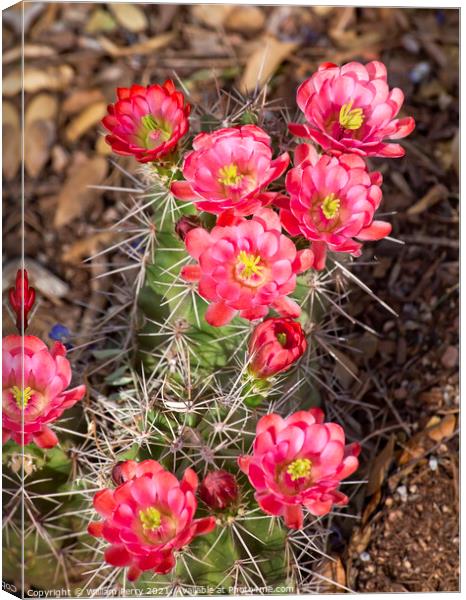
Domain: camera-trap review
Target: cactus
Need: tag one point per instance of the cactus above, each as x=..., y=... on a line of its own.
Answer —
x=167, y=385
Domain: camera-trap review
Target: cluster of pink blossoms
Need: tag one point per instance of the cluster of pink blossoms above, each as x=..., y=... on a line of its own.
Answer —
x=245, y=265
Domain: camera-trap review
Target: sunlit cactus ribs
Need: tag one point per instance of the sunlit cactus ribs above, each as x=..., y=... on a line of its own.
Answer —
x=207, y=464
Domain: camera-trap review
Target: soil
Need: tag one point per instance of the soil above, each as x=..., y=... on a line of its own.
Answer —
x=415, y=537
x=407, y=372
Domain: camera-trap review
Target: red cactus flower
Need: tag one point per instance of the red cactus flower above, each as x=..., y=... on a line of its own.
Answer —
x=148, y=517
x=22, y=298
x=299, y=461
x=34, y=383
x=219, y=489
x=247, y=267
x=352, y=109
x=275, y=345
x=147, y=122
x=229, y=169
x=332, y=199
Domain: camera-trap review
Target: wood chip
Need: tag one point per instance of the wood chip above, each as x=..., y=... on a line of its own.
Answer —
x=76, y=196
x=129, y=16
x=436, y=194
x=380, y=466
x=79, y=99
x=213, y=15
x=100, y=21
x=332, y=569
x=11, y=141
x=30, y=51
x=86, y=247
x=40, y=139
x=43, y=107
x=86, y=119
x=50, y=78
x=263, y=63
x=154, y=43
x=245, y=19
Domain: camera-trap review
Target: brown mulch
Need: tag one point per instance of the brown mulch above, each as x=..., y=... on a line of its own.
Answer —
x=415, y=537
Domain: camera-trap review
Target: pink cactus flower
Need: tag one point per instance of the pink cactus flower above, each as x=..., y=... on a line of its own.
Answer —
x=332, y=200
x=147, y=122
x=299, y=461
x=229, y=169
x=352, y=109
x=247, y=266
x=148, y=517
x=41, y=398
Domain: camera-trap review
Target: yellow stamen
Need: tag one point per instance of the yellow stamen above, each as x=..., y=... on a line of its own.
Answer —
x=301, y=467
x=251, y=264
x=351, y=118
x=330, y=206
x=229, y=175
x=150, y=518
x=21, y=396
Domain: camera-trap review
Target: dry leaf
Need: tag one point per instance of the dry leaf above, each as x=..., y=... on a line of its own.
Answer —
x=245, y=19
x=42, y=107
x=40, y=139
x=35, y=79
x=79, y=99
x=263, y=63
x=380, y=467
x=29, y=51
x=442, y=429
x=86, y=119
x=76, y=195
x=101, y=146
x=360, y=540
x=154, y=43
x=332, y=568
x=213, y=15
x=129, y=16
x=100, y=21
x=437, y=193
x=11, y=142
x=41, y=131
x=86, y=247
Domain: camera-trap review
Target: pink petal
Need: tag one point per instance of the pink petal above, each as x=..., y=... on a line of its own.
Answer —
x=376, y=231
x=271, y=505
x=117, y=556
x=104, y=503
x=287, y=307
x=219, y=314
x=45, y=438
x=183, y=191
x=190, y=481
x=293, y=516
x=204, y=526
x=197, y=241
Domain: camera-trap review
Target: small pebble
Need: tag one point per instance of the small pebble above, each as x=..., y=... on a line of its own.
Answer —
x=433, y=463
x=365, y=556
x=419, y=72
x=450, y=357
x=403, y=492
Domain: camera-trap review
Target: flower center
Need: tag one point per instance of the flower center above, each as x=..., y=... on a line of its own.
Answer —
x=299, y=468
x=228, y=175
x=150, y=518
x=330, y=206
x=151, y=124
x=282, y=339
x=22, y=396
x=351, y=118
x=251, y=264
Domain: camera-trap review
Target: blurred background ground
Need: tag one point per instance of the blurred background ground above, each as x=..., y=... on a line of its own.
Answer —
x=406, y=390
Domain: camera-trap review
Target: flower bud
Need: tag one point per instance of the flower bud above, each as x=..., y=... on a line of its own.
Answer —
x=275, y=345
x=219, y=489
x=124, y=470
x=185, y=224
